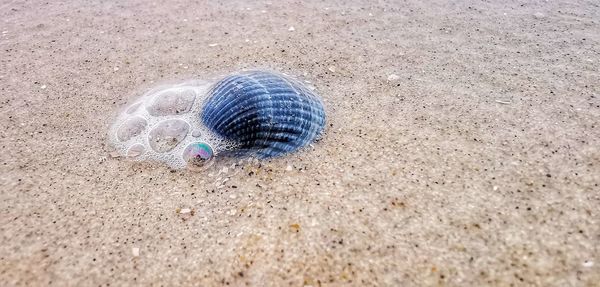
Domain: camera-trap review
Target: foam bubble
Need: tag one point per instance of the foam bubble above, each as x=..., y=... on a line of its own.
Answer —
x=130, y=128
x=164, y=125
x=133, y=108
x=172, y=101
x=167, y=134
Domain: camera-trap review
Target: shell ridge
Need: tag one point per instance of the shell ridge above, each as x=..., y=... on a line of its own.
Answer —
x=304, y=118
x=309, y=106
x=213, y=109
x=224, y=84
x=217, y=90
x=234, y=127
x=229, y=114
x=242, y=115
x=240, y=102
x=227, y=105
x=251, y=113
x=306, y=109
x=271, y=113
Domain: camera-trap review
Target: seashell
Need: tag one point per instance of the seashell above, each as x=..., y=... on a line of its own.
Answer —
x=265, y=113
x=255, y=113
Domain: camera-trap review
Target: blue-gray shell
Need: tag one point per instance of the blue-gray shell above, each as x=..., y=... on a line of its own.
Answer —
x=267, y=114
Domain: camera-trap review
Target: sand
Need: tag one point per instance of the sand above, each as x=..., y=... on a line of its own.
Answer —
x=462, y=146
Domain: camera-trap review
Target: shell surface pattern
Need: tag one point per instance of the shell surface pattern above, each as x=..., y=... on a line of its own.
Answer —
x=267, y=114
x=256, y=113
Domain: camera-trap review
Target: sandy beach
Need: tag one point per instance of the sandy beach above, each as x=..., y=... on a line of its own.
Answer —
x=462, y=146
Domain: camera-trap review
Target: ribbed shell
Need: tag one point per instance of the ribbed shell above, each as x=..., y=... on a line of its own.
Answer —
x=266, y=113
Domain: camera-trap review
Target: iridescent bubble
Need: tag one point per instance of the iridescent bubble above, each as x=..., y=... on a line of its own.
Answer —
x=198, y=154
x=167, y=134
x=131, y=128
x=172, y=102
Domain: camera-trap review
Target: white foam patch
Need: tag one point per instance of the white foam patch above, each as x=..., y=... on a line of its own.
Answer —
x=164, y=104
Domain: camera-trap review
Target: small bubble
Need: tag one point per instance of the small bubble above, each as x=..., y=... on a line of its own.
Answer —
x=136, y=150
x=198, y=154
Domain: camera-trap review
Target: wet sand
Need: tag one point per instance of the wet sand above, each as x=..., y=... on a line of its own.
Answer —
x=462, y=146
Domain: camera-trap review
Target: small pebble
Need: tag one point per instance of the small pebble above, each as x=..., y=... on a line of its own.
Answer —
x=135, y=251
x=116, y=69
x=43, y=87
x=393, y=77
x=185, y=211
x=291, y=29
x=588, y=263
x=295, y=227
x=503, y=102
x=288, y=168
